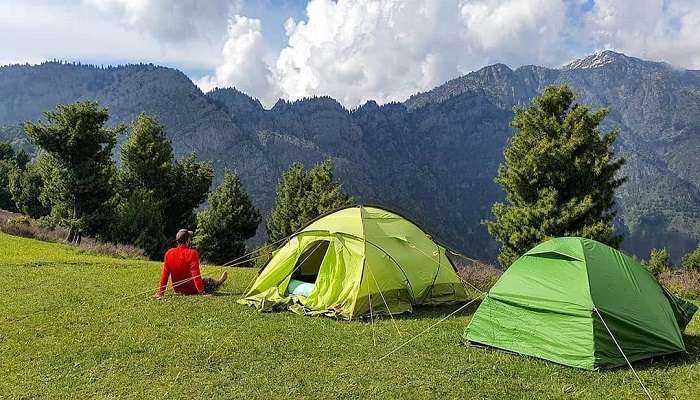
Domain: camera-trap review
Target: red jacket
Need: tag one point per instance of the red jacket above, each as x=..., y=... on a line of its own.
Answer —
x=182, y=263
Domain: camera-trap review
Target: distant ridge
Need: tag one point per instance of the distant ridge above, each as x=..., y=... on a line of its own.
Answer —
x=432, y=157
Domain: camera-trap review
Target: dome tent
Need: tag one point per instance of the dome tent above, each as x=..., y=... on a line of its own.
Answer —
x=565, y=299
x=360, y=260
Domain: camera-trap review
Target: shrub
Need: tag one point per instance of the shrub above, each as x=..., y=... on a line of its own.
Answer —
x=691, y=261
x=684, y=283
x=479, y=274
x=659, y=262
x=21, y=219
x=23, y=226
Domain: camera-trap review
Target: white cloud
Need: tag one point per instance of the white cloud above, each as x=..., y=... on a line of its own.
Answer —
x=653, y=29
x=352, y=50
x=34, y=31
x=516, y=31
x=244, y=65
x=172, y=21
x=386, y=50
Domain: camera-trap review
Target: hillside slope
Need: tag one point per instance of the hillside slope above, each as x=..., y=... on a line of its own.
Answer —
x=433, y=157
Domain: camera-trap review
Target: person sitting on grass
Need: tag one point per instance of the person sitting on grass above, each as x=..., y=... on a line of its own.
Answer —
x=182, y=264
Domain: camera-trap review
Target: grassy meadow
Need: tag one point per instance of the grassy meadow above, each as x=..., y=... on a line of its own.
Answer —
x=77, y=325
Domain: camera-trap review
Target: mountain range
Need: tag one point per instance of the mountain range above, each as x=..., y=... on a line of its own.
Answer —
x=432, y=157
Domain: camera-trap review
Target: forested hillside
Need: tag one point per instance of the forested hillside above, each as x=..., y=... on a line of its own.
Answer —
x=433, y=157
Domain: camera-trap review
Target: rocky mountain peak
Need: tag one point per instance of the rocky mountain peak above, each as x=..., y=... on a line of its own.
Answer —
x=598, y=60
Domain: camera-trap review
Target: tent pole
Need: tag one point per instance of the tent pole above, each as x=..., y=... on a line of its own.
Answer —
x=385, y=303
x=371, y=318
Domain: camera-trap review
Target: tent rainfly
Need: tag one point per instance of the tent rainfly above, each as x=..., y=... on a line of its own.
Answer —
x=567, y=298
x=357, y=261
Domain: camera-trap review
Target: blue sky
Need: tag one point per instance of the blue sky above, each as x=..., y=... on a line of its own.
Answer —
x=351, y=50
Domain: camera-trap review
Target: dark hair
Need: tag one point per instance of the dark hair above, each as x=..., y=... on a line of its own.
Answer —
x=183, y=236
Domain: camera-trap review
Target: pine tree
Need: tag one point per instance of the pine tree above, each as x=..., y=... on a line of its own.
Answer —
x=559, y=176
x=7, y=153
x=79, y=172
x=303, y=196
x=230, y=220
x=157, y=193
x=7, y=169
x=190, y=183
x=22, y=159
x=26, y=187
x=147, y=157
x=139, y=221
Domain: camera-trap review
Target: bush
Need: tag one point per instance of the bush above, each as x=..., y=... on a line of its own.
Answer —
x=684, y=283
x=659, y=262
x=691, y=261
x=479, y=274
x=23, y=226
x=21, y=219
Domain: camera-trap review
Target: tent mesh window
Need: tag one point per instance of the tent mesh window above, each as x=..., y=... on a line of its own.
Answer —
x=309, y=262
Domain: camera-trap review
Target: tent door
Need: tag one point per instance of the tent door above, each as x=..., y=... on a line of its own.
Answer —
x=309, y=262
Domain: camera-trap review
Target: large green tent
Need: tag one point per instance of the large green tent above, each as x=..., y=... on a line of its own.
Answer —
x=555, y=301
x=357, y=261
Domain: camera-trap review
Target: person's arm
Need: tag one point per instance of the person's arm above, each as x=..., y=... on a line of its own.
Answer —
x=164, y=276
x=196, y=275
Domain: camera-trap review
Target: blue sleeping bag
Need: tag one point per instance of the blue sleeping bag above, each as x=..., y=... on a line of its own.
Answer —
x=299, y=288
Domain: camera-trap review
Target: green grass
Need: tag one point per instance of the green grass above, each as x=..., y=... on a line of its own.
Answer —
x=80, y=326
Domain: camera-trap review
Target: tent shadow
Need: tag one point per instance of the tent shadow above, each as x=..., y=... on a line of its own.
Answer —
x=438, y=312
x=692, y=356
x=217, y=294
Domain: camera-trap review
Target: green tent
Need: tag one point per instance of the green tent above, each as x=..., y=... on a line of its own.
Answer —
x=555, y=301
x=357, y=261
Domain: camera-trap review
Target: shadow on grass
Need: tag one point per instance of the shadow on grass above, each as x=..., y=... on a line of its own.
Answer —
x=692, y=356
x=225, y=294
x=436, y=312
x=668, y=361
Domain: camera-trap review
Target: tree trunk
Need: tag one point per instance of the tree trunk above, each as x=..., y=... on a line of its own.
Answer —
x=74, y=234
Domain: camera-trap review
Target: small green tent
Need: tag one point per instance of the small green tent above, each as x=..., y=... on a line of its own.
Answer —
x=357, y=261
x=555, y=301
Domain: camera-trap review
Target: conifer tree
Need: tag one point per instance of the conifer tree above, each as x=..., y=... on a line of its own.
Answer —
x=140, y=222
x=157, y=194
x=146, y=157
x=10, y=165
x=559, y=176
x=26, y=187
x=230, y=220
x=78, y=174
x=7, y=153
x=303, y=196
x=190, y=183
x=7, y=169
x=22, y=159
